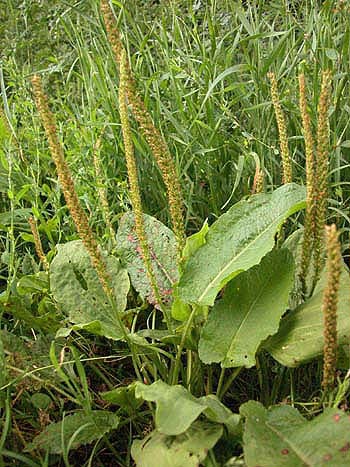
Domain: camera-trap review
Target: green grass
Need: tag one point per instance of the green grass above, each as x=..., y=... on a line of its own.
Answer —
x=202, y=70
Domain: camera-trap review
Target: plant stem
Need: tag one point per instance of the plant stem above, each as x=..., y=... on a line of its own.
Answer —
x=181, y=346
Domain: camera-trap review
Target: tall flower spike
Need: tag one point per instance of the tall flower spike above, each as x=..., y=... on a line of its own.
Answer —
x=101, y=189
x=310, y=226
x=65, y=178
x=282, y=130
x=37, y=242
x=321, y=171
x=133, y=178
x=329, y=306
x=151, y=134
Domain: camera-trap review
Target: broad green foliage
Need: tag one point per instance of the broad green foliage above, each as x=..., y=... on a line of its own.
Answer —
x=177, y=409
x=123, y=396
x=162, y=246
x=195, y=241
x=186, y=450
x=31, y=303
x=300, y=336
x=237, y=241
x=281, y=437
x=28, y=355
x=74, y=430
x=250, y=311
x=181, y=310
x=76, y=287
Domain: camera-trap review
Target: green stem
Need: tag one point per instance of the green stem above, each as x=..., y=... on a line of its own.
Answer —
x=221, y=381
x=229, y=381
x=181, y=346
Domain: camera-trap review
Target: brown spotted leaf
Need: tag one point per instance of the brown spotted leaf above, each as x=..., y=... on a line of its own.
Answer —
x=163, y=251
x=281, y=437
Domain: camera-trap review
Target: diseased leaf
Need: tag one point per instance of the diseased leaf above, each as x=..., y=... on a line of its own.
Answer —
x=75, y=430
x=177, y=409
x=300, y=336
x=237, y=241
x=163, y=250
x=186, y=450
x=250, y=311
x=76, y=287
x=281, y=437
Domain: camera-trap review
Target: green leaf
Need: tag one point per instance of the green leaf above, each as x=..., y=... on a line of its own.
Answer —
x=33, y=283
x=186, y=450
x=46, y=317
x=74, y=430
x=41, y=400
x=281, y=437
x=123, y=396
x=237, y=241
x=195, y=241
x=163, y=250
x=250, y=311
x=177, y=409
x=76, y=287
x=300, y=336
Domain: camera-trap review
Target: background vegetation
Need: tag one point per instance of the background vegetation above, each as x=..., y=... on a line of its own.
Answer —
x=201, y=67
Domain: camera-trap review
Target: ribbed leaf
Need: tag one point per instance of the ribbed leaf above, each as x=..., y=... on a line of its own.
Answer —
x=237, y=241
x=76, y=287
x=186, y=450
x=177, y=409
x=300, y=336
x=163, y=251
x=281, y=437
x=250, y=311
x=75, y=430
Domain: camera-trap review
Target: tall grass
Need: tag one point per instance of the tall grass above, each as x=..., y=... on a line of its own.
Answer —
x=202, y=69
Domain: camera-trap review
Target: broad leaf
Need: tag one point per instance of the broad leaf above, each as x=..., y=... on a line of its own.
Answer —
x=281, y=437
x=74, y=430
x=300, y=336
x=186, y=450
x=250, y=311
x=76, y=287
x=177, y=409
x=237, y=241
x=163, y=251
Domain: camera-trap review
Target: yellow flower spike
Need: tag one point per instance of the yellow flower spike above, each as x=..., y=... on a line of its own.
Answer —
x=329, y=306
x=310, y=225
x=66, y=182
x=37, y=242
x=282, y=130
x=151, y=134
x=321, y=171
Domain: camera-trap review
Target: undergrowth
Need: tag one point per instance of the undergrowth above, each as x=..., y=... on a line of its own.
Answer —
x=165, y=299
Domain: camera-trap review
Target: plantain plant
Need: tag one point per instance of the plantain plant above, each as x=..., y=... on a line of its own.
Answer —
x=219, y=299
